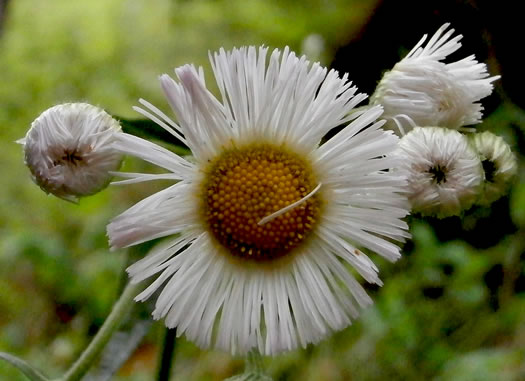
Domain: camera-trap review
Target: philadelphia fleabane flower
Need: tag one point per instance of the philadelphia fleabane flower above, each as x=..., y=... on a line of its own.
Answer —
x=499, y=165
x=68, y=150
x=422, y=90
x=444, y=171
x=264, y=222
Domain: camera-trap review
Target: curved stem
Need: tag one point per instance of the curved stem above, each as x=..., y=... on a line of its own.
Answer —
x=115, y=318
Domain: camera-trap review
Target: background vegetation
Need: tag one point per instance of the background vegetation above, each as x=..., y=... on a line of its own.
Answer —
x=452, y=308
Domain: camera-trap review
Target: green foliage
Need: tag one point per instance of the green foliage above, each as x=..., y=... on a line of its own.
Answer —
x=451, y=308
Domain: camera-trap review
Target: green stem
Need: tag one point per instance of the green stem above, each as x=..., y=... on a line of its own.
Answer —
x=253, y=369
x=115, y=318
x=254, y=362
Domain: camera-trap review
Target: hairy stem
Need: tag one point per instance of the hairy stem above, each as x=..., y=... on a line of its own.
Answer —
x=115, y=318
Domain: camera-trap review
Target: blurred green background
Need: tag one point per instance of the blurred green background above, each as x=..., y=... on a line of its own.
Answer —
x=453, y=308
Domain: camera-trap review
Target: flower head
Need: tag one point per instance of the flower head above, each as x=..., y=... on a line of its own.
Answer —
x=264, y=221
x=444, y=172
x=421, y=90
x=499, y=165
x=68, y=150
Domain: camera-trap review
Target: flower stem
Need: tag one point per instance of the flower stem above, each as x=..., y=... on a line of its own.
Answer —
x=115, y=318
x=254, y=362
x=166, y=360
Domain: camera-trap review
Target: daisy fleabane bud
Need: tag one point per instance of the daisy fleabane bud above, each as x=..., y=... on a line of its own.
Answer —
x=421, y=90
x=443, y=170
x=68, y=150
x=499, y=164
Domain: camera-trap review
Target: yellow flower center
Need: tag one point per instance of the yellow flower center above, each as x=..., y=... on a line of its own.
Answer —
x=244, y=185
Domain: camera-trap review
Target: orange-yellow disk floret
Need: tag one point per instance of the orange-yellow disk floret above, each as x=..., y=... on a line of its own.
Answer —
x=244, y=185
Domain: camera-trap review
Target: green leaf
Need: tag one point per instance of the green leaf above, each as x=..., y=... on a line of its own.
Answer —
x=24, y=367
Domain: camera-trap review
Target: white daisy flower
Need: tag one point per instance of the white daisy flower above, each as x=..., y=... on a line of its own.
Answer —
x=265, y=221
x=421, y=90
x=499, y=165
x=68, y=150
x=444, y=171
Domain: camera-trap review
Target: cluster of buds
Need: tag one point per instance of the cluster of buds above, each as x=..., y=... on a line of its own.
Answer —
x=428, y=103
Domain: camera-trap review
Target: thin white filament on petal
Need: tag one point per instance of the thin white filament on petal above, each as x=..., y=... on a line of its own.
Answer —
x=289, y=207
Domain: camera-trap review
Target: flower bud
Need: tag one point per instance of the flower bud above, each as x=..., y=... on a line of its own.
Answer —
x=443, y=170
x=421, y=90
x=68, y=150
x=499, y=164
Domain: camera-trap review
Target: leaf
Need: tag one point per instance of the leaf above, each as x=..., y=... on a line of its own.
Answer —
x=24, y=367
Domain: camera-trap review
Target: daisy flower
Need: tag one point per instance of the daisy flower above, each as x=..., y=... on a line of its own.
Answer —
x=264, y=222
x=68, y=150
x=421, y=90
x=444, y=172
x=499, y=165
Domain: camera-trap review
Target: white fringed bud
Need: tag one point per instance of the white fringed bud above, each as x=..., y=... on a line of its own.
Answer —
x=68, y=150
x=443, y=170
x=421, y=90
